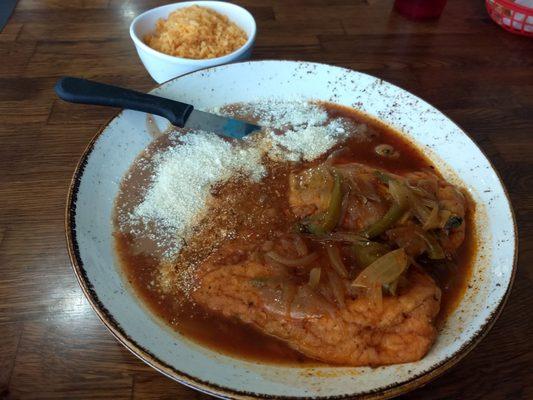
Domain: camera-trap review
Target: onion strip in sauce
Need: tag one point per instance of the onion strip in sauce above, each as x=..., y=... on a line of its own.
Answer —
x=337, y=287
x=300, y=246
x=435, y=251
x=433, y=220
x=292, y=262
x=336, y=261
x=327, y=221
x=384, y=270
x=314, y=277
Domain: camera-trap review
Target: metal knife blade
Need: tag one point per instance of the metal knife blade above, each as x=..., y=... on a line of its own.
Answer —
x=223, y=126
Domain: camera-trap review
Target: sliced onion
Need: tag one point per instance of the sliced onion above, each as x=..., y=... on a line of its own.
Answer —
x=336, y=261
x=433, y=220
x=400, y=193
x=300, y=246
x=435, y=251
x=424, y=209
x=406, y=217
x=289, y=291
x=420, y=192
x=444, y=216
x=273, y=263
x=365, y=196
x=350, y=289
x=325, y=289
x=337, y=287
x=429, y=185
x=293, y=242
x=286, y=244
x=314, y=277
x=344, y=205
x=428, y=202
x=275, y=294
x=309, y=304
x=292, y=262
x=375, y=296
x=386, y=150
x=341, y=153
x=420, y=212
x=352, y=183
x=384, y=270
x=392, y=287
x=352, y=168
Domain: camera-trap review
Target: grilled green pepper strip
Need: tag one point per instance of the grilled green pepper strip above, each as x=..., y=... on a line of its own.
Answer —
x=395, y=212
x=393, y=215
x=326, y=222
x=366, y=252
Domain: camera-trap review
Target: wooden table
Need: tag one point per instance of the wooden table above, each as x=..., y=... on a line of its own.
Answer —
x=52, y=344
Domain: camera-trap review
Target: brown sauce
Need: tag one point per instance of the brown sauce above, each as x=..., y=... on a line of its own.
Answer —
x=253, y=220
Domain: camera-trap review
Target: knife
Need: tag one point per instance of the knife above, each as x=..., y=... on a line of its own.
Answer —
x=77, y=90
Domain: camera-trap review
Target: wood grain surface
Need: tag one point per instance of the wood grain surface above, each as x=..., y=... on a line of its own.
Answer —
x=52, y=345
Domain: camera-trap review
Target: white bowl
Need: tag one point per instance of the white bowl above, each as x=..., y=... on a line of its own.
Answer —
x=163, y=67
x=96, y=183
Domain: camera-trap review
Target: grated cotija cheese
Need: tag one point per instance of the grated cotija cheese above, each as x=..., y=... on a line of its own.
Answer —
x=280, y=114
x=307, y=143
x=308, y=131
x=184, y=174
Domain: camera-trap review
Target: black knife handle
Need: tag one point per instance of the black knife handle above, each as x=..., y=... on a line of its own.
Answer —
x=76, y=90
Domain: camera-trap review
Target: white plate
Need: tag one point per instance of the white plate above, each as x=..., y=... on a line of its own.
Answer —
x=109, y=155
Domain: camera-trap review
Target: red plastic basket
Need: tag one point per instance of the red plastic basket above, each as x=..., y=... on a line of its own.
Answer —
x=511, y=16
